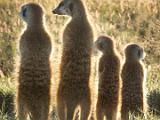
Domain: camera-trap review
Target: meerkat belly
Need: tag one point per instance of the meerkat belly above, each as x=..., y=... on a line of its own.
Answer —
x=133, y=95
x=34, y=84
x=34, y=93
x=35, y=72
x=109, y=90
x=75, y=72
x=136, y=98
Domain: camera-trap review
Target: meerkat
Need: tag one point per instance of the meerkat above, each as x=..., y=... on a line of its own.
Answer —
x=34, y=79
x=133, y=80
x=74, y=89
x=109, y=80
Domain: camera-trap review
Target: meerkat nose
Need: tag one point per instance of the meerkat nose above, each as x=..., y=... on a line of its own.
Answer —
x=54, y=11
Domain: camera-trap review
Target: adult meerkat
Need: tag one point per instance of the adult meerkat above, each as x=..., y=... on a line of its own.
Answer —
x=75, y=66
x=108, y=100
x=33, y=95
x=133, y=80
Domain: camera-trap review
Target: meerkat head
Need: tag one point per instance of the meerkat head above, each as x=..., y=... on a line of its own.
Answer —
x=73, y=8
x=134, y=52
x=32, y=14
x=105, y=44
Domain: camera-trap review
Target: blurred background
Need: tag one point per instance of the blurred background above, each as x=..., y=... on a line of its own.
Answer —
x=127, y=21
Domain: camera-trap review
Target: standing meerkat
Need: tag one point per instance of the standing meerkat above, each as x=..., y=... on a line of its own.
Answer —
x=34, y=81
x=108, y=100
x=133, y=80
x=75, y=66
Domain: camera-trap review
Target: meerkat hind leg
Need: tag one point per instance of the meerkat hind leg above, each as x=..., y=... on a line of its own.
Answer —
x=111, y=114
x=71, y=107
x=99, y=114
x=61, y=109
x=125, y=116
x=85, y=109
x=40, y=111
x=22, y=112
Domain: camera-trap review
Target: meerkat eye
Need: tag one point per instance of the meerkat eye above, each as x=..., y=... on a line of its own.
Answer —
x=71, y=6
x=101, y=46
x=24, y=12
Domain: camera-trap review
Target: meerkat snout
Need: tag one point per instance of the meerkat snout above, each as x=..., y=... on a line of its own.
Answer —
x=31, y=13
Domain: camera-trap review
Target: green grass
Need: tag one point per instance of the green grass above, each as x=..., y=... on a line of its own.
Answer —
x=132, y=21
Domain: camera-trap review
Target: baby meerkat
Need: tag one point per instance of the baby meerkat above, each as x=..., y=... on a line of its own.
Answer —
x=74, y=89
x=34, y=81
x=133, y=80
x=108, y=100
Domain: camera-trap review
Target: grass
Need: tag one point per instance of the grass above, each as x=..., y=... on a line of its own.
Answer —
x=127, y=21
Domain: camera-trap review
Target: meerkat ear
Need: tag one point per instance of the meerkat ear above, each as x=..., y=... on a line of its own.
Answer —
x=141, y=54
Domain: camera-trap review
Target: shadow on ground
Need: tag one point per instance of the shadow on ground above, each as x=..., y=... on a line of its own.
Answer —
x=154, y=102
x=7, y=104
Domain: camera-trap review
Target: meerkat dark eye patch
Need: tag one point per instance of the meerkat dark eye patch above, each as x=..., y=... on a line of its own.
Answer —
x=101, y=46
x=139, y=53
x=71, y=6
x=61, y=4
x=24, y=12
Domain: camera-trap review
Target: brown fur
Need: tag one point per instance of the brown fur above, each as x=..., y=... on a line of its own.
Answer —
x=75, y=66
x=33, y=94
x=133, y=77
x=109, y=80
